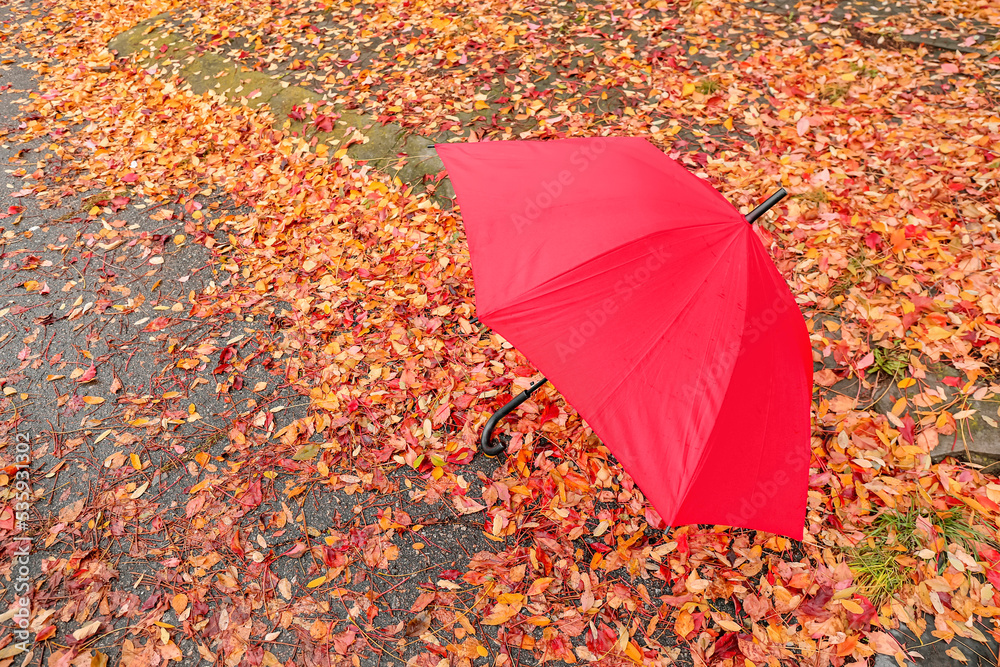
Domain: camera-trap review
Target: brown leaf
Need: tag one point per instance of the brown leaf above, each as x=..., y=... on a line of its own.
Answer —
x=418, y=625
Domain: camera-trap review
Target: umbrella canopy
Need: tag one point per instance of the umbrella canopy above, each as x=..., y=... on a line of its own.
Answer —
x=649, y=302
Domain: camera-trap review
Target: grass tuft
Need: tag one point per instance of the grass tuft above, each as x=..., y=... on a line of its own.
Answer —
x=877, y=572
x=834, y=91
x=891, y=360
x=874, y=563
x=708, y=86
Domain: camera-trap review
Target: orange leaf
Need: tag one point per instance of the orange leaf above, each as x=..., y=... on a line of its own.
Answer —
x=852, y=606
x=500, y=615
x=684, y=624
x=179, y=603
x=539, y=585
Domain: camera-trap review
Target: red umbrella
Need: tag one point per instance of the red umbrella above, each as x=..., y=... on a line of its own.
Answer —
x=649, y=302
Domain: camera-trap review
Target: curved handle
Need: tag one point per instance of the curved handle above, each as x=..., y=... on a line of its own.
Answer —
x=486, y=443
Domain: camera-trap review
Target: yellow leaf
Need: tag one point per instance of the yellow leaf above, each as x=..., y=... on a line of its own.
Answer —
x=849, y=76
x=136, y=462
x=31, y=285
x=728, y=625
x=511, y=598
x=93, y=400
x=688, y=89
x=728, y=124
x=852, y=606
x=172, y=394
x=938, y=333
x=957, y=654
x=318, y=581
x=904, y=383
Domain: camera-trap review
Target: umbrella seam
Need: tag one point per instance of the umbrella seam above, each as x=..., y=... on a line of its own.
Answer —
x=530, y=295
x=610, y=392
x=702, y=457
x=652, y=345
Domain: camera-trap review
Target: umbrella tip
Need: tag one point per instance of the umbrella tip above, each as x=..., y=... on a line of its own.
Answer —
x=767, y=205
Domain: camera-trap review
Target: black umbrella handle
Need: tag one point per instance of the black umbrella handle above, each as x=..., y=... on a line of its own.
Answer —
x=766, y=206
x=486, y=443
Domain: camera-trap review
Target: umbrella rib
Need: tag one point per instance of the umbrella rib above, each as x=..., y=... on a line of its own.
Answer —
x=535, y=293
x=701, y=461
x=610, y=391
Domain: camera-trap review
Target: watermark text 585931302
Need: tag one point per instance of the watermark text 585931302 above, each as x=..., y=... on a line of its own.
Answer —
x=19, y=548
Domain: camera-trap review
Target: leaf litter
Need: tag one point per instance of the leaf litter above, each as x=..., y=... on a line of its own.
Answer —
x=889, y=243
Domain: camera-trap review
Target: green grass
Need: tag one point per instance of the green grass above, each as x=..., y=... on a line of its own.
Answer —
x=708, y=86
x=834, y=91
x=876, y=570
x=877, y=573
x=862, y=70
x=891, y=360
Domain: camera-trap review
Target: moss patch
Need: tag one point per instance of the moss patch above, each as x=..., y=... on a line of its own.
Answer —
x=388, y=147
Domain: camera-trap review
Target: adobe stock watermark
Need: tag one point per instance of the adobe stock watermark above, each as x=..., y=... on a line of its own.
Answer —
x=600, y=313
x=550, y=190
x=20, y=547
x=727, y=357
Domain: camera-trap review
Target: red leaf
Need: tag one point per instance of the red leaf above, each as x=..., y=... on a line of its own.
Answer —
x=235, y=545
x=11, y=210
x=158, y=324
x=130, y=178
x=551, y=412
x=816, y=605
x=861, y=621
x=253, y=496
x=343, y=641
x=88, y=375
x=907, y=430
